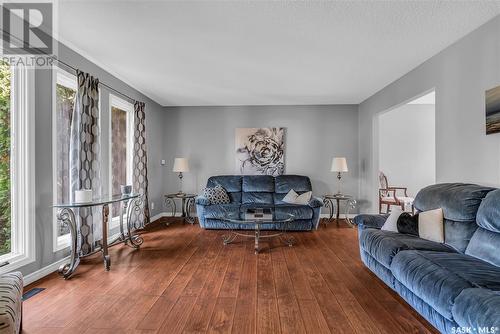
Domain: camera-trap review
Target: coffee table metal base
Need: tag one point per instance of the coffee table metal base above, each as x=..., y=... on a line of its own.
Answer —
x=232, y=235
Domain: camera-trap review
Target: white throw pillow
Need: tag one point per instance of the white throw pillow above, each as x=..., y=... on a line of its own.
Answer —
x=293, y=198
x=304, y=198
x=391, y=224
x=290, y=197
x=431, y=225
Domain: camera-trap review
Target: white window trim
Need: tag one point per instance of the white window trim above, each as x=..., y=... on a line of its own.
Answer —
x=69, y=80
x=117, y=102
x=22, y=170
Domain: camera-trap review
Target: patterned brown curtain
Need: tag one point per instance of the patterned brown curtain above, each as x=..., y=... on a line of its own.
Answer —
x=85, y=159
x=140, y=174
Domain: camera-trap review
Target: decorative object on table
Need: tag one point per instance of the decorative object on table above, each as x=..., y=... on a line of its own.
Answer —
x=293, y=198
x=83, y=196
x=492, y=97
x=180, y=166
x=84, y=158
x=216, y=195
x=66, y=214
x=280, y=224
x=11, y=305
x=260, y=151
x=339, y=166
x=187, y=201
x=125, y=189
x=350, y=205
x=389, y=196
x=258, y=213
x=140, y=170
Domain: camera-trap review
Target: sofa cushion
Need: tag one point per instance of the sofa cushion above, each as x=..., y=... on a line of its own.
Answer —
x=258, y=183
x=477, y=308
x=284, y=183
x=459, y=201
x=488, y=215
x=438, y=277
x=219, y=211
x=232, y=183
x=257, y=198
x=384, y=245
x=485, y=245
x=298, y=211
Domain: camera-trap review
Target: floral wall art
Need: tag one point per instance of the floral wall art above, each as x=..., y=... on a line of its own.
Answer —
x=260, y=151
x=493, y=110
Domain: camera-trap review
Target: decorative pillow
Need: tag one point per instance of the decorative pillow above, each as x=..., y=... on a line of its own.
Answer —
x=408, y=224
x=391, y=224
x=304, y=198
x=290, y=197
x=431, y=225
x=293, y=198
x=216, y=195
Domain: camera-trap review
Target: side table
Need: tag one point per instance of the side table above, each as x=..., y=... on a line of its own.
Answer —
x=337, y=198
x=187, y=201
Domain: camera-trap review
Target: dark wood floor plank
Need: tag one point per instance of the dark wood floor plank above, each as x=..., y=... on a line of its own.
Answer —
x=268, y=320
x=244, y=320
x=290, y=318
x=222, y=315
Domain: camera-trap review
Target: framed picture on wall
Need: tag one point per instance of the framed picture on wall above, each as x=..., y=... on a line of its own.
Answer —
x=492, y=97
x=260, y=151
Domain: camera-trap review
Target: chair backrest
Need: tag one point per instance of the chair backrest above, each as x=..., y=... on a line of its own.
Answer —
x=460, y=203
x=383, y=180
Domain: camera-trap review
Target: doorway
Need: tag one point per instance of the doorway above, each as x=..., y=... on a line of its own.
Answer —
x=407, y=144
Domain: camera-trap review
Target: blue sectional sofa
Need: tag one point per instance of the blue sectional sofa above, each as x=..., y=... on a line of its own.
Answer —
x=454, y=285
x=259, y=191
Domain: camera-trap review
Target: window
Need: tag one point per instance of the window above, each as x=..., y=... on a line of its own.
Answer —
x=121, y=147
x=64, y=100
x=16, y=167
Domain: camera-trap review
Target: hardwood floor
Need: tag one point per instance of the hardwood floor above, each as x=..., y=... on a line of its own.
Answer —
x=184, y=280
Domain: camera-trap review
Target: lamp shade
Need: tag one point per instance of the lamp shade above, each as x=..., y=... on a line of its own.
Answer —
x=339, y=165
x=180, y=165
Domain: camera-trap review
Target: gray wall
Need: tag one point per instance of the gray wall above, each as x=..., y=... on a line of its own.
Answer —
x=460, y=75
x=44, y=178
x=314, y=134
x=407, y=146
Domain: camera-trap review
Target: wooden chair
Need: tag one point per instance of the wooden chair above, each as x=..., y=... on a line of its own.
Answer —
x=389, y=195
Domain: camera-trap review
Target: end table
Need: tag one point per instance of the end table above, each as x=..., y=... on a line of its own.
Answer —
x=187, y=201
x=350, y=204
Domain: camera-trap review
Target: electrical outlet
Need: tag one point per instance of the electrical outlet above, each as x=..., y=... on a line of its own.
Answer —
x=152, y=205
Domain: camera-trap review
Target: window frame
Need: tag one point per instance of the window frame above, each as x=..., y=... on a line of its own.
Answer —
x=68, y=80
x=118, y=102
x=22, y=170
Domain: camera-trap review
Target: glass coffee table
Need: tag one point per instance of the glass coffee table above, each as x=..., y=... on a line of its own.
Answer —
x=233, y=222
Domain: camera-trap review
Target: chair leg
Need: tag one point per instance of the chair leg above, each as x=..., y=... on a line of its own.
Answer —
x=379, y=207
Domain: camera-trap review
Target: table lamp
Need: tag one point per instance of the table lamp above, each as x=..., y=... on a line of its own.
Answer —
x=339, y=165
x=180, y=166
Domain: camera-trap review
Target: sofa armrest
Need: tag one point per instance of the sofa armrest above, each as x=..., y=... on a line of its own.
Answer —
x=370, y=221
x=315, y=202
x=200, y=200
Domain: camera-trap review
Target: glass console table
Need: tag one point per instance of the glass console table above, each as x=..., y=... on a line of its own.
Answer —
x=66, y=214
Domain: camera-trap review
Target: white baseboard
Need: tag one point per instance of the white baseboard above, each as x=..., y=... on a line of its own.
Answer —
x=41, y=273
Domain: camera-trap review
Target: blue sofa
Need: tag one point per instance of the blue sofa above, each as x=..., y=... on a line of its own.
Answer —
x=454, y=285
x=259, y=191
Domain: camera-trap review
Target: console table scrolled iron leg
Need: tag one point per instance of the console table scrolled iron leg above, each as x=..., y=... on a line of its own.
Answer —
x=67, y=217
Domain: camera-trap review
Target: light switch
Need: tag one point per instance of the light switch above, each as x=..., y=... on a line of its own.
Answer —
x=163, y=162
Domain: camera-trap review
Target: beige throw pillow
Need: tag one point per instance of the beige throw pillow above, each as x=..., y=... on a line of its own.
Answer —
x=431, y=225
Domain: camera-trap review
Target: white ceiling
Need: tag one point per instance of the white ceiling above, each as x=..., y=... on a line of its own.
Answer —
x=264, y=52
